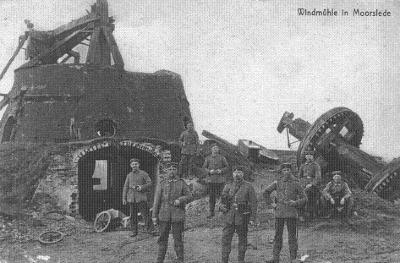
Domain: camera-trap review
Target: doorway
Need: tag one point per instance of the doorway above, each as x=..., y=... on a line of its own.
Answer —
x=102, y=174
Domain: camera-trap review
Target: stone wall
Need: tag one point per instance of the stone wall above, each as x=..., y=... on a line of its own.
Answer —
x=59, y=188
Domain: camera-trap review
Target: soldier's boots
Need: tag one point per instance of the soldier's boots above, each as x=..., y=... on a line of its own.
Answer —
x=211, y=214
x=225, y=256
x=241, y=256
x=179, y=253
x=162, y=250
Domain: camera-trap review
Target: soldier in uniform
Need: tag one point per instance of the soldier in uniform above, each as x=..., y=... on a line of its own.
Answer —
x=311, y=171
x=171, y=196
x=239, y=205
x=289, y=196
x=135, y=189
x=337, y=195
x=216, y=167
x=189, y=140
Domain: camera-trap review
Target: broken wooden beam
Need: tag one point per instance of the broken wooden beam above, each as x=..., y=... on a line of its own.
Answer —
x=230, y=151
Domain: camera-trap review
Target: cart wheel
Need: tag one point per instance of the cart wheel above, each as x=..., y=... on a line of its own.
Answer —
x=50, y=237
x=102, y=221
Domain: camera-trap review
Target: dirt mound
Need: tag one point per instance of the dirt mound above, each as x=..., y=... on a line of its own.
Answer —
x=21, y=167
x=372, y=204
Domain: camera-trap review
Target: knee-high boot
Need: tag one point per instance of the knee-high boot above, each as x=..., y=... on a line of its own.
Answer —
x=162, y=250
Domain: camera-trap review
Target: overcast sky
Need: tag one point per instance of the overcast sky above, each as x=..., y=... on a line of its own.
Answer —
x=245, y=62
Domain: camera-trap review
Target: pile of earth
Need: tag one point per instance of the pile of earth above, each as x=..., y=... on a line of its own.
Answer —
x=373, y=212
x=22, y=165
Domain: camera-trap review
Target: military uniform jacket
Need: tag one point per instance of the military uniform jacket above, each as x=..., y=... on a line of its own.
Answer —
x=241, y=193
x=189, y=141
x=333, y=189
x=311, y=171
x=287, y=189
x=214, y=162
x=129, y=193
x=167, y=192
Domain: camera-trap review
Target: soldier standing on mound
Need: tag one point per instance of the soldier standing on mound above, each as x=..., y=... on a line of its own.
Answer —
x=189, y=140
x=216, y=167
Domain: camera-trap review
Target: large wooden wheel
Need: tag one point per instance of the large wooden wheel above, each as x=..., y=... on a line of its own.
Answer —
x=386, y=183
x=333, y=121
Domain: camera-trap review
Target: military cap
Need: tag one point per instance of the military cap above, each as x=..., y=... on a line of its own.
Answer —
x=214, y=144
x=309, y=151
x=134, y=160
x=286, y=165
x=238, y=168
x=337, y=174
x=171, y=165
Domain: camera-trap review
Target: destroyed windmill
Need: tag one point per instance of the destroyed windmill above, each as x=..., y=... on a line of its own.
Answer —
x=106, y=114
x=336, y=136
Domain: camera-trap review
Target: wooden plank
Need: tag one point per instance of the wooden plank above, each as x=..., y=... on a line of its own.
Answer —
x=118, y=60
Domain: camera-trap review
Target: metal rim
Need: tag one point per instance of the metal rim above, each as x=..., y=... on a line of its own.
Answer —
x=102, y=221
x=382, y=183
x=51, y=237
x=334, y=119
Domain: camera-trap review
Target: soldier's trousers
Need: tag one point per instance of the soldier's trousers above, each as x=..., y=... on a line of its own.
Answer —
x=348, y=205
x=291, y=224
x=227, y=234
x=186, y=165
x=143, y=208
x=214, y=190
x=313, y=198
x=177, y=233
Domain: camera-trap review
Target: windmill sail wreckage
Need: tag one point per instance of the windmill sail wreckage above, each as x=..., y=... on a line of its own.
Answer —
x=336, y=136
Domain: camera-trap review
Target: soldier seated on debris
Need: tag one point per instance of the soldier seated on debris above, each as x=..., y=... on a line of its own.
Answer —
x=135, y=193
x=337, y=197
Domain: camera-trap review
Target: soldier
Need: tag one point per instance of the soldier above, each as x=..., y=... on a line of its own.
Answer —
x=189, y=140
x=137, y=183
x=337, y=195
x=170, y=199
x=216, y=167
x=239, y=205
x=312, y=173
x=289, y=196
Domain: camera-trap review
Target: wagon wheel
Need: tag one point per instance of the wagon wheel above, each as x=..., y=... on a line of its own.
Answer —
x=51, y=237
x=102, y=221
x=333, y=120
